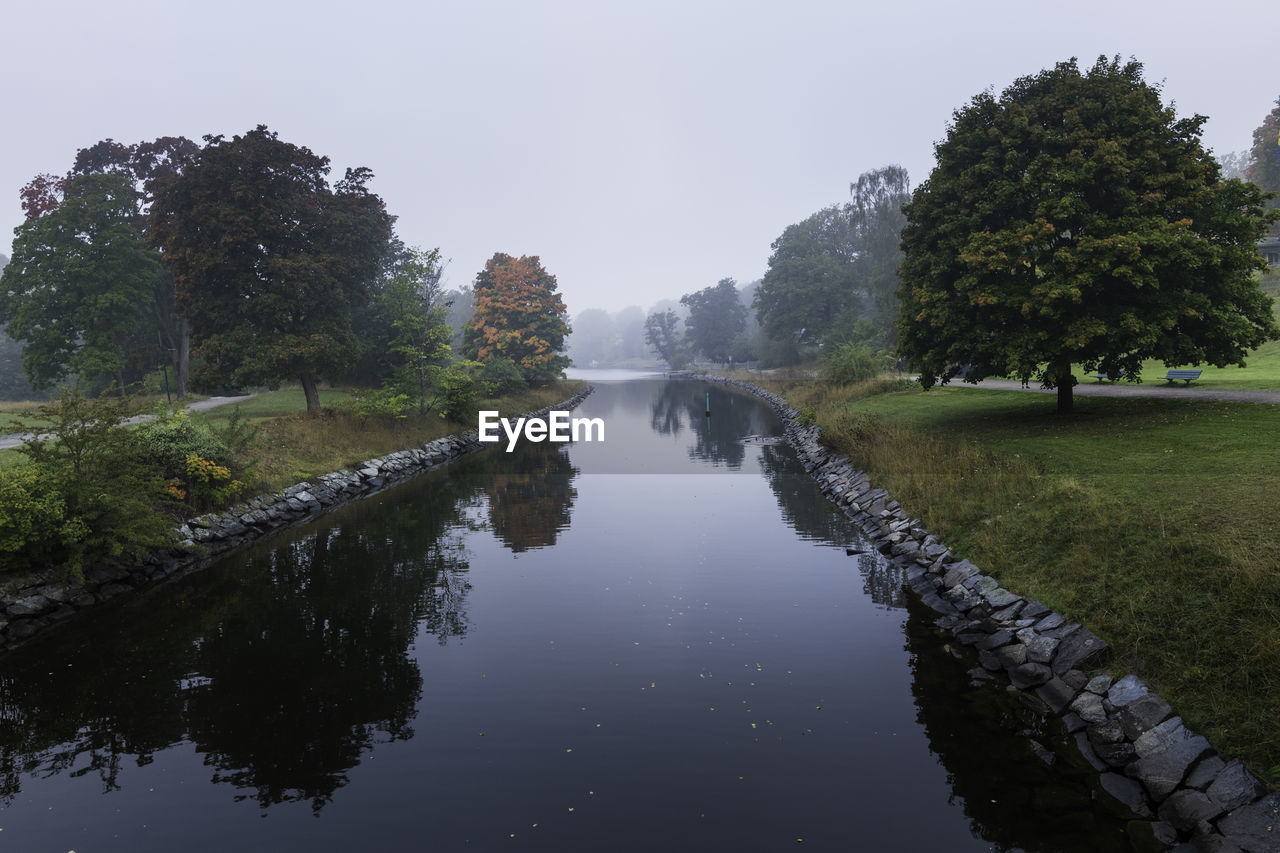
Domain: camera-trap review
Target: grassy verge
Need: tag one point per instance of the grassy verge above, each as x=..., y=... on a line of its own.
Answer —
x=291, y=445
x=1152, y=521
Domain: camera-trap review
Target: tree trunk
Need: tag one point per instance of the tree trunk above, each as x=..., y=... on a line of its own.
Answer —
x=182, y=357
x=309, y=388
x=1065, y=382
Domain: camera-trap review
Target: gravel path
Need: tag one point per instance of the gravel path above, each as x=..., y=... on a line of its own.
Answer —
x=16, y=439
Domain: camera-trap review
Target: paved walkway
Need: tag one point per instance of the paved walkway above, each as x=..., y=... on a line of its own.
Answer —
x=1089, y=388
x=16, y=439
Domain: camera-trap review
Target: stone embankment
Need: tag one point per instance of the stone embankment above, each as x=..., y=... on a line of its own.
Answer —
x=34, y=603
x=1185, y=795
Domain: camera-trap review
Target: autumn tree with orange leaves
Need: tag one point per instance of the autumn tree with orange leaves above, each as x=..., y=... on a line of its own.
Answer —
x=519, y=317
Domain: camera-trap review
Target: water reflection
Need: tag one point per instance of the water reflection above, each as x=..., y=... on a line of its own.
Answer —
x=282, y=667
x=680, y=406
x=983, y=736
x=531, y=497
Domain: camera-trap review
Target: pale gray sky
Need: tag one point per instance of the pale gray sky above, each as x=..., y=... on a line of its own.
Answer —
x=642, y=149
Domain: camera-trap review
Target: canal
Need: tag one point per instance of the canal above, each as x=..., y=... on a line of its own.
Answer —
x=659, y=641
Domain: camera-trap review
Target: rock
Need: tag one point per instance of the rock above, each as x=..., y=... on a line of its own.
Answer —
x=1033, y=609
x=1165, y=753
x=1203, y=774
x=32, y=605
x=1107, y=731
x=1057, y=694
x=1116, y=754
x=1011, y=656
x=1000, y=597
x=1184, y=809
x=1086, y=750
x=1099, y=685
x=1144, y=714
x=1029, y=675
x=1089, y=707
x=1254, y=828
x=1079, y=651
x=1126, y=791
x=1048, y=623
x=1234, y=787
x=1126, y=690
x=958, y=573
x=1041, y=649
x=995, y=641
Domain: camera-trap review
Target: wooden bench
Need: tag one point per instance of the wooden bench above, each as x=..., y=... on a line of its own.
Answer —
x=1187, y=376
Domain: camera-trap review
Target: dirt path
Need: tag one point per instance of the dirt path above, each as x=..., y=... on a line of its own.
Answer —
x=16, y=439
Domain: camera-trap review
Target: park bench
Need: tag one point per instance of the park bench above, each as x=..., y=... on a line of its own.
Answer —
x=1103, y=377
x=1186, y=376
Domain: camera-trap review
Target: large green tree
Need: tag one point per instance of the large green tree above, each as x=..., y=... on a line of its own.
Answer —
x=78, y=283
x=1074, y=219
x=810, y=280
x=716, y=318
x=519, y=316
x=1263, y=166
x=268, y=260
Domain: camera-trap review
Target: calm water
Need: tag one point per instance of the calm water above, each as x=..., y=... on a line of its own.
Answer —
x=657, y=642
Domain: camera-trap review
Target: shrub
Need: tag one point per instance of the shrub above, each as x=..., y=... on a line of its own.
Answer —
x=849, y=363
x=112, y=493
x=458, y=392
x=387, y=402
x=501, y=376
x=35, y=528
x=170, y=439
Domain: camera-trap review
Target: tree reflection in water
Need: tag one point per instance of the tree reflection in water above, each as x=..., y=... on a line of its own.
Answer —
x=531, y=498
x=282, y=666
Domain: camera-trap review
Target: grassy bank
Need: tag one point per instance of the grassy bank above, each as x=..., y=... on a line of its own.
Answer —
x=290, y=445
x=1152, y=521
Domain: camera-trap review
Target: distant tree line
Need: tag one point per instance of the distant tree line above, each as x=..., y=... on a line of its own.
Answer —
x=237, y=263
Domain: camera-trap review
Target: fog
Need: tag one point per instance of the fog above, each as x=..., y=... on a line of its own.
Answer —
x=642, y=150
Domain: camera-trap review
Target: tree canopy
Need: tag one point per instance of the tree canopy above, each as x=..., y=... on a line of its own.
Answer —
x=716, y=318
x=662, y=334
x=837, y=269
x=1075, y=219
x=268, y=260
x=79, y=281
x=519, y=316
x=1263, y=166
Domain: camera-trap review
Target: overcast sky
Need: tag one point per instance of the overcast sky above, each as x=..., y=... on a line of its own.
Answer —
x=642, y=149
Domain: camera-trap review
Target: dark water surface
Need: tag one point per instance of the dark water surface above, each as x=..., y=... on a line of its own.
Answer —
x=657, y=642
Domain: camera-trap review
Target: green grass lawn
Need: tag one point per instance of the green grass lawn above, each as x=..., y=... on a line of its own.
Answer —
x=1153, y=521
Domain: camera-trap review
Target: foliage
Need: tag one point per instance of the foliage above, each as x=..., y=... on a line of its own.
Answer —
x=810, y=280
x=851, y=362
x=519, y=316
x=501, y=376
x=662, y=334
x=837, y=266
x=168, y=440
x=458, y=392
x=208, y=484
x=162, y=334
x=35, y=529
x=716, y=317
x=79, y=276
x=416, y=309
x=382, y=402
x=111, y=491
x=1075, y=219
x=268, y=260
x=1263, y=166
